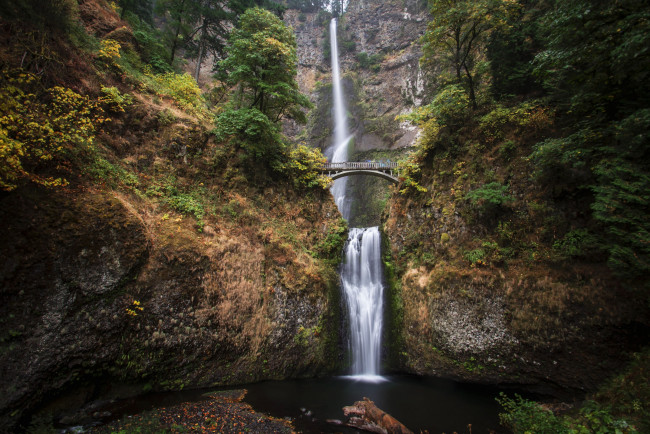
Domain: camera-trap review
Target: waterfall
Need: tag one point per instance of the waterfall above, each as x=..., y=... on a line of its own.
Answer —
x=339, y=148
x=361, y=272
x=361, y=279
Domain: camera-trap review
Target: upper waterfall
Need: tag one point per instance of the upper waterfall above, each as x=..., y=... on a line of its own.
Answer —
x=338, y=152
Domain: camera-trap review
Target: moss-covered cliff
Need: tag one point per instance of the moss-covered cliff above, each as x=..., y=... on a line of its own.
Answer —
x=495, y=286
x=162, y=259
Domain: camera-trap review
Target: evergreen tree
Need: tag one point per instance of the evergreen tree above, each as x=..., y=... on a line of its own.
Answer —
x=143, y=9
x=180, y=15
x=211, y=32
x=261, y=63
x=596, y=67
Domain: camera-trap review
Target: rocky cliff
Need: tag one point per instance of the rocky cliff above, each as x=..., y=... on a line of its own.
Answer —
x=380, y=52
x=166, y=263
x=99, y=288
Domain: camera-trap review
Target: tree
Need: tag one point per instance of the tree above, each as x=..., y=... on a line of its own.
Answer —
x=261, y=64
x=143, y=9
x=459, y=30
x=211, y=33
x=179, y=15
x=596, y=67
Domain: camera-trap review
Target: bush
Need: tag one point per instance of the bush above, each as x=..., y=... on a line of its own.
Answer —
x=371, y=62
x=182, y=88
x=578, y=242
x=109, y=51
x=524, y=416
x=38, y=135
x=490, y=196
x=529, y=116
x=114, y=100
x=303, y=166
x=252, y=131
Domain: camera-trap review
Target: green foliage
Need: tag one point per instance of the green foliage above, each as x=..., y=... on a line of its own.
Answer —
x=140, y=8
x=333, y=243
x=114, y=100
x=252, y=131
x=529, y=116
x=490, y=197
x=41, y=134
x=512, y=48
x=179, y=17
x=114, y=175
x=450, y=107
x=305, y=335
x=189, y=202
x=370, y=61
x=150, y=46
x=458, y=32
x=595, y=68
x=262, y=64
x=578, y=242
x=524, y=416
x=183, y=89
x=410, y=174
x=475, y=257
x=45, y=15
x=303, y=165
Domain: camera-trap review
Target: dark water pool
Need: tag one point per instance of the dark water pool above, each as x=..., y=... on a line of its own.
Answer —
x=436, y=405
x=421, y=403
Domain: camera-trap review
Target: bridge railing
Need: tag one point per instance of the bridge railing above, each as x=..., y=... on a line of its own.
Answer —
x=352, y=165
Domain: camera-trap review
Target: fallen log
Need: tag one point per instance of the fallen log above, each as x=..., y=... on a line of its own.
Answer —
x=365, y=415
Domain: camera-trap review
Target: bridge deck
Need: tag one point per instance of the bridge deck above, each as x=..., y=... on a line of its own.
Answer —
x=358, y=165
x=386, y=170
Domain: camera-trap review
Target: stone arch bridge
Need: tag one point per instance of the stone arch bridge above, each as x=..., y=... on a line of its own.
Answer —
x=386, y=171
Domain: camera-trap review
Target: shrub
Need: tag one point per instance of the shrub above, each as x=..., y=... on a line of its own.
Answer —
x=42, y=134
x=530, y=116
x=475, y=257
x=303, y=166
x=252, y=131
x=410, y=173
x=489, y=197
x=371, y=62
x=182, y=88
x=524, y=416
x=114, y=100
x=577, y=242
x=109, y=51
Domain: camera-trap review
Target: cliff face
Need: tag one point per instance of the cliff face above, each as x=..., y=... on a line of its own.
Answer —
x=166, y=264
x=380, y=53
x=99, y=288
x=495, y=292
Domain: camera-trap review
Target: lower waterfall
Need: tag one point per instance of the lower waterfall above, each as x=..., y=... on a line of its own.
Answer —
x=363, y=290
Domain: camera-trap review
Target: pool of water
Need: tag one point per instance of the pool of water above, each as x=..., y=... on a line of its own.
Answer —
x=432, y=404
x=421, y=403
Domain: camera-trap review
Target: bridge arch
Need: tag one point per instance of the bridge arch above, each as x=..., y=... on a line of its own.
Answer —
x=376, y=173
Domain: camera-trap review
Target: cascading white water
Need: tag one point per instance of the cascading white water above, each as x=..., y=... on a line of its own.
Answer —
x=361, y=278
x=361, y=273
x=339, y=148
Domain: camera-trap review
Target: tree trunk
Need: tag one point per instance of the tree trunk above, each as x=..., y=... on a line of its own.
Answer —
x=365, y=415
x=199, y=60
x=472, y=94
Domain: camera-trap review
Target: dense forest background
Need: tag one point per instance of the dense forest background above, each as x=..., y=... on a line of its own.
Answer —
x=534, y=131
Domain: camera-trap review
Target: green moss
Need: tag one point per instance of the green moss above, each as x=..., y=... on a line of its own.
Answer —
x=393, y=334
